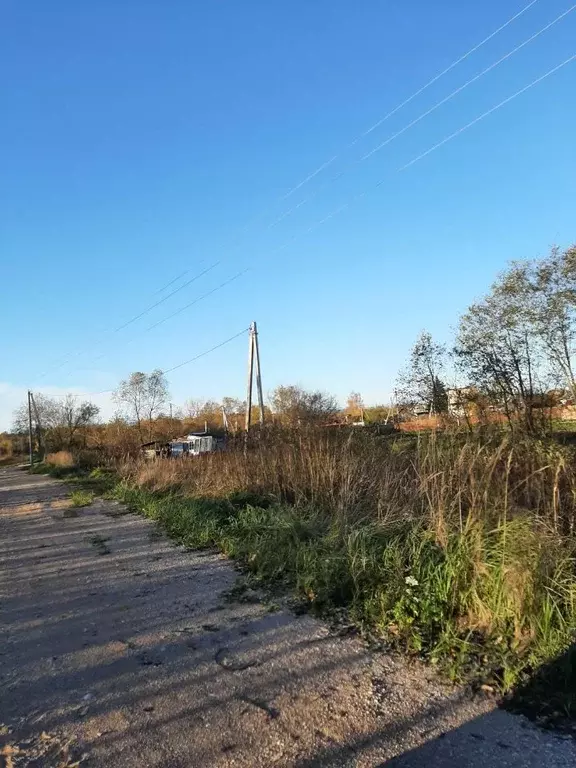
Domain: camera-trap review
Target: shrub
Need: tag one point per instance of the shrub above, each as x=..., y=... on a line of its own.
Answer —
x=60, y=459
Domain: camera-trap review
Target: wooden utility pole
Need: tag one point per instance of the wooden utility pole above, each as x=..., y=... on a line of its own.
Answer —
x=30, y=438
x=258, y=373
x=248, y=420
x=41, y=446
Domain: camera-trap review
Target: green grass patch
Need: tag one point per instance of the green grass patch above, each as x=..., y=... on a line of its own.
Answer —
x=80, y=498
x=99, y=482
x=489, y=605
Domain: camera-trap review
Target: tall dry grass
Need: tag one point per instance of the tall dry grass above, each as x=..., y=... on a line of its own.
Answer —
x=443, y=479
x=457, y=546
x=60, y=459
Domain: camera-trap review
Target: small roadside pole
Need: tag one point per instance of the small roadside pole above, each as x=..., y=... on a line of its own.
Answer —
x=39, y=437
x=30, y=439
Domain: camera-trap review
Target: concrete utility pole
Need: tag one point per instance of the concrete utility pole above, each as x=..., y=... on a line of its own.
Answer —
x=30, y=439
x=258, y=373
x=248, y=420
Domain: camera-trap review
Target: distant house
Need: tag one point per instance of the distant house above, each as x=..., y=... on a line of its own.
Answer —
x=196, y=444
x=459, y=400
x=155, y=449
x=182, y=447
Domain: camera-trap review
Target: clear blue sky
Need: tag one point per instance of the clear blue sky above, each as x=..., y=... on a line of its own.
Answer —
x=139, y=138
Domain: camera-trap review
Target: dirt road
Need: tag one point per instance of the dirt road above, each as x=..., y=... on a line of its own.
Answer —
x=127, y=645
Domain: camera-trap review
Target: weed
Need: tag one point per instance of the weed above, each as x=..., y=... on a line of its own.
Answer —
x=81, y=498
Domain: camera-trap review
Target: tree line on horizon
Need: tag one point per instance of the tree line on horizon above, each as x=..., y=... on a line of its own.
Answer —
x=512, y=348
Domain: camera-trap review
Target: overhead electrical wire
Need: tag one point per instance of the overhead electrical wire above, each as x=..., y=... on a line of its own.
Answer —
x=187, y=306
x=354, y=141
x=200, y=298
x=416, y=159
x=135, y=317
x=164, y=371
x=487, y=113
x=469, y=82
x=161, y=301
x=309, y=177
x=421, y=117
x=359, y=196
x=186, y=271
x=207, y=352
x=411, y=98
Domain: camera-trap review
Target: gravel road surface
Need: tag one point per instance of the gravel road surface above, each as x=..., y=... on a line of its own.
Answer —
x=119, y=648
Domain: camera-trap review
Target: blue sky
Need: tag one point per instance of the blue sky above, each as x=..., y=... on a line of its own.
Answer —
x=144, y=139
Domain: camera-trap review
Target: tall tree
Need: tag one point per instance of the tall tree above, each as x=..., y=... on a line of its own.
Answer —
x=61, y=421
x=497, y=347
x=233, y=405
x=421, y=383
x=553, y=298
x=294, y=405
x=143, y=395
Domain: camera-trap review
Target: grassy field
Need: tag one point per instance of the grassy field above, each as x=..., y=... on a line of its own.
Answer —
x=458, y=549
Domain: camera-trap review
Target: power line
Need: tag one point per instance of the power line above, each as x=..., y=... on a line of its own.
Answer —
x=360, y=195
x=200, y=298
x=330, y=161
x=421, y=117
x=412, y=162
x=135, y=317
x=187, y=306
x=365, y=133
x=488, y=112
x=161, y=301
x=411, y=98
x=166, y=371
x=171, y=282
x=344, y=206
x=207, y=352
x=469, y=82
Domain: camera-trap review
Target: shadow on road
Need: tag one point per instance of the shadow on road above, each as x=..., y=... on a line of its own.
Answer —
x=134, y=649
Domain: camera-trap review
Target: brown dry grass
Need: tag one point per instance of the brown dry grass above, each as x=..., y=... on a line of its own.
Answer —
x=443, y=478
x=60, y=459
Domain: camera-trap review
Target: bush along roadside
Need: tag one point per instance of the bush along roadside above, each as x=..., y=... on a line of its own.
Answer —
x=487, y=604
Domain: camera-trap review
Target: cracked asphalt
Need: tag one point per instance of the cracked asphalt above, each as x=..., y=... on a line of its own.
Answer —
x=126, y=646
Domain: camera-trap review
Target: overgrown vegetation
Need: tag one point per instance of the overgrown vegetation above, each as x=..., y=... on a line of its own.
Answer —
x=457, y=548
